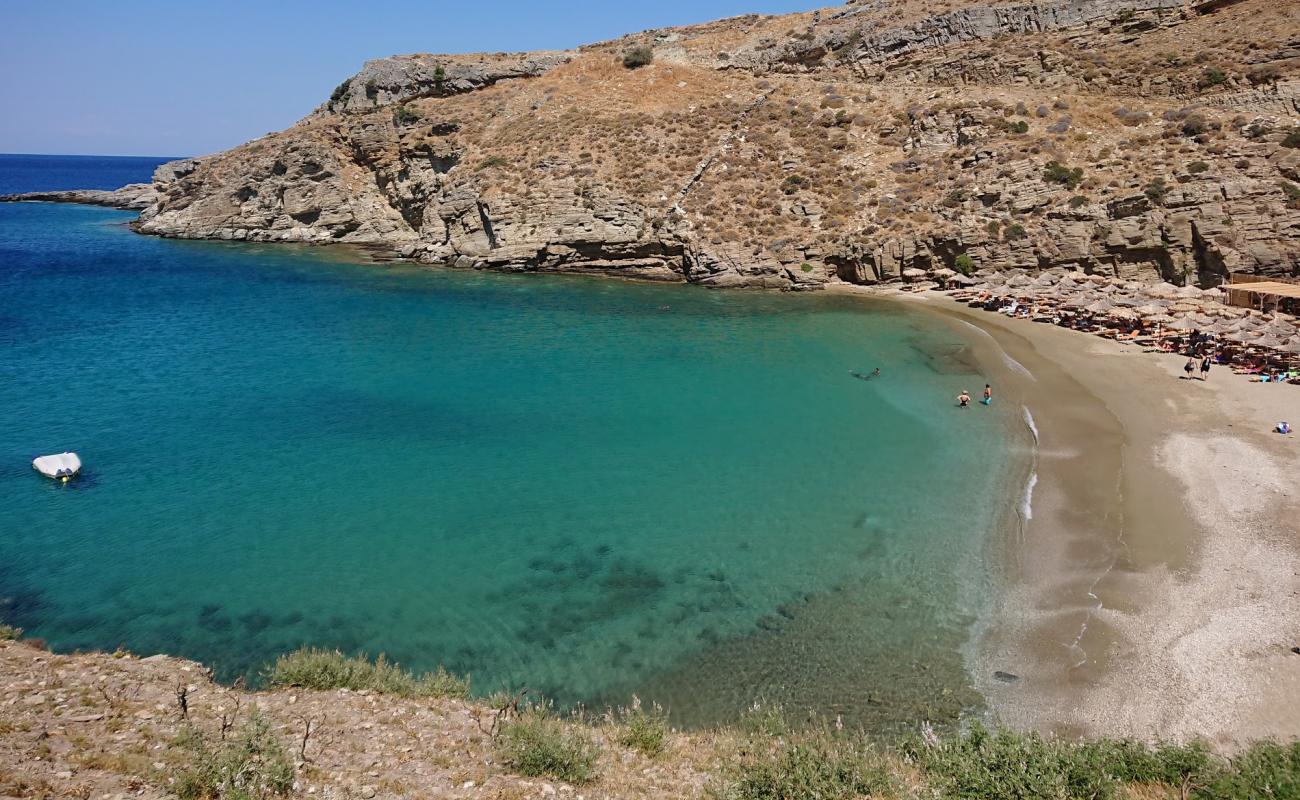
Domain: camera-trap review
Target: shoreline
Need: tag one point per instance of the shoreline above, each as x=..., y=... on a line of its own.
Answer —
x=1156, y=591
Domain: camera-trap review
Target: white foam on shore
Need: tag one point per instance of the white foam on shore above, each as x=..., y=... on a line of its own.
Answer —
x=1015, y=365
x=1029, y=420
x=1027, y=501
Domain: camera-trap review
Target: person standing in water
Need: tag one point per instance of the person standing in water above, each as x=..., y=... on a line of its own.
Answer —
x=963, y=399
x=988, y=395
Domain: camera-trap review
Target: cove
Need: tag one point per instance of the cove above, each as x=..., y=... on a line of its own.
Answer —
x=587, y=487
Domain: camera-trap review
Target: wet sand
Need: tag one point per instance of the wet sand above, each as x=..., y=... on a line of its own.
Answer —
x=1155, y=591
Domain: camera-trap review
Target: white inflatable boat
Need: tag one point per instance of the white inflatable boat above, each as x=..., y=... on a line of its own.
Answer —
x=62, y=466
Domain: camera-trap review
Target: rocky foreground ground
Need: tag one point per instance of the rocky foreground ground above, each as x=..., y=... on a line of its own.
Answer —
x=110, y=725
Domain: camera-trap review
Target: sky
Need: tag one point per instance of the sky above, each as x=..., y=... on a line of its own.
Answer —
x=186, y=77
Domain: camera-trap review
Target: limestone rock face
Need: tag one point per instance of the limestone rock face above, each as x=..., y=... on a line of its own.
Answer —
x=1151, y=139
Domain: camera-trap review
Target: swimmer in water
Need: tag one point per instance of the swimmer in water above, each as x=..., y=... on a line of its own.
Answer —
x=875, y=372
x=963, y=399
x=988, y=395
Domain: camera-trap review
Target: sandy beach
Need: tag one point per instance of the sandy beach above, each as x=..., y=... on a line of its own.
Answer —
x=1155, y=590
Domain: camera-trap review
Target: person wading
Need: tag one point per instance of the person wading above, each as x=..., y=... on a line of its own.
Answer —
x=988, y=395
x=963, y=399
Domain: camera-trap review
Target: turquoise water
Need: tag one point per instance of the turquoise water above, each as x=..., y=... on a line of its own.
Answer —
x=587, y=487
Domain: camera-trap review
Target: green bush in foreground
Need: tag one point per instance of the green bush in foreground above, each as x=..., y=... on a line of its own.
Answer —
x=251, y=766
x=644, y=731
x=537, y=745
x=311, y=668
x=980, y=764
x=10, y=633
x=816, y=768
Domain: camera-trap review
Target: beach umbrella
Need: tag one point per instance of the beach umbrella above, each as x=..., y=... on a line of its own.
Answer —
x=1159, y=319
x=1099, y=306
x=1240, y=337
x=1150, y=309
x=912, y=272
x=1271, y=342
x=1016, y=281
x=1162, y=290
x=1122, y=313
x=1292, y=347
x=1126, y=300
x=1188, y=291
x=1182, y=325
x=944, y=272
x=1184, y=308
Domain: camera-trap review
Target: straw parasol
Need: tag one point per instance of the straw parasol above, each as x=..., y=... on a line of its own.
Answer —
x=1159, y=319
x=1122, y=313
x=1150, y=309
x=1271, y=342
x=944, y=272
x=1099, y=307
x=1183, y=324
x=1241, y=337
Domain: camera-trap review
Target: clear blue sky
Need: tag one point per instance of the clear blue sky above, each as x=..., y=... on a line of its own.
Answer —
x=185, y=77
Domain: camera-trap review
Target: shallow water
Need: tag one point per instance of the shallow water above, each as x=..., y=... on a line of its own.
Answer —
x=587, y=487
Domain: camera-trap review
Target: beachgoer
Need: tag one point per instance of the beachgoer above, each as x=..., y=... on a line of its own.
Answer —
x=1283, y=428
x=1189, y=367
x=875, y=372
x=988, y=395
x=1205, y=367
x=963, y=399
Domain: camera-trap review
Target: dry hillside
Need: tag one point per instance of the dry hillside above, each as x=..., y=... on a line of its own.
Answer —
x=1149, y=138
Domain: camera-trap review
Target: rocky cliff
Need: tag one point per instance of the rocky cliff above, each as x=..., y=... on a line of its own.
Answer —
x=1146, y=138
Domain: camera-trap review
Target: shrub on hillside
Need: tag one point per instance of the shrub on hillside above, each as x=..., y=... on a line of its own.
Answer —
x=639, y=56
x=1156, y=190
x=250, y=766
x=1197, y=167
x=311, y=668
x=10, y=633
x=647, y=731
x=964, y=264
x=1211, y=77
x=1056, y=172
x=536, y=744
x=980, y=763
x=340, y=91
x=1078, y=201
x=1292, y=139
x=819, y=767
x=404, y=115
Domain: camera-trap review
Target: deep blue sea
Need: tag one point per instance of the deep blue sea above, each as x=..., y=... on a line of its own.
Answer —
x=588, y=487
x=36, y=173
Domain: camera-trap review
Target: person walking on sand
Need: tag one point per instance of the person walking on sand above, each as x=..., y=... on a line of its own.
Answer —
x=988, y=395
x=1205, y=367
x=1190, y=367
x=963, y=399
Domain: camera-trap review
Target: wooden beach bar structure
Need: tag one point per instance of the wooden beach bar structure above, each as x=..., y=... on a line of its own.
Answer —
x=1255, y=291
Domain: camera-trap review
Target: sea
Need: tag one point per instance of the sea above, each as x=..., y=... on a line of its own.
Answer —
x=589, y=488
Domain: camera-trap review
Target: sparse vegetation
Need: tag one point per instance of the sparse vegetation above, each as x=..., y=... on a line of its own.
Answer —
x=340, y=91
x=405, y=115
x=1292, y=139
x=821, y=767
x=492, y=161
x=1056, y=172
x=1079, y=201
x=537, y=744
x=1197, y=167
x=311, y=668
x=964, y=264
x=1014, y=231
x=647, y=731
x=1211, y=77
x=9, y=633
x=639, y=56
x=1156, y=190
x=251, y=766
